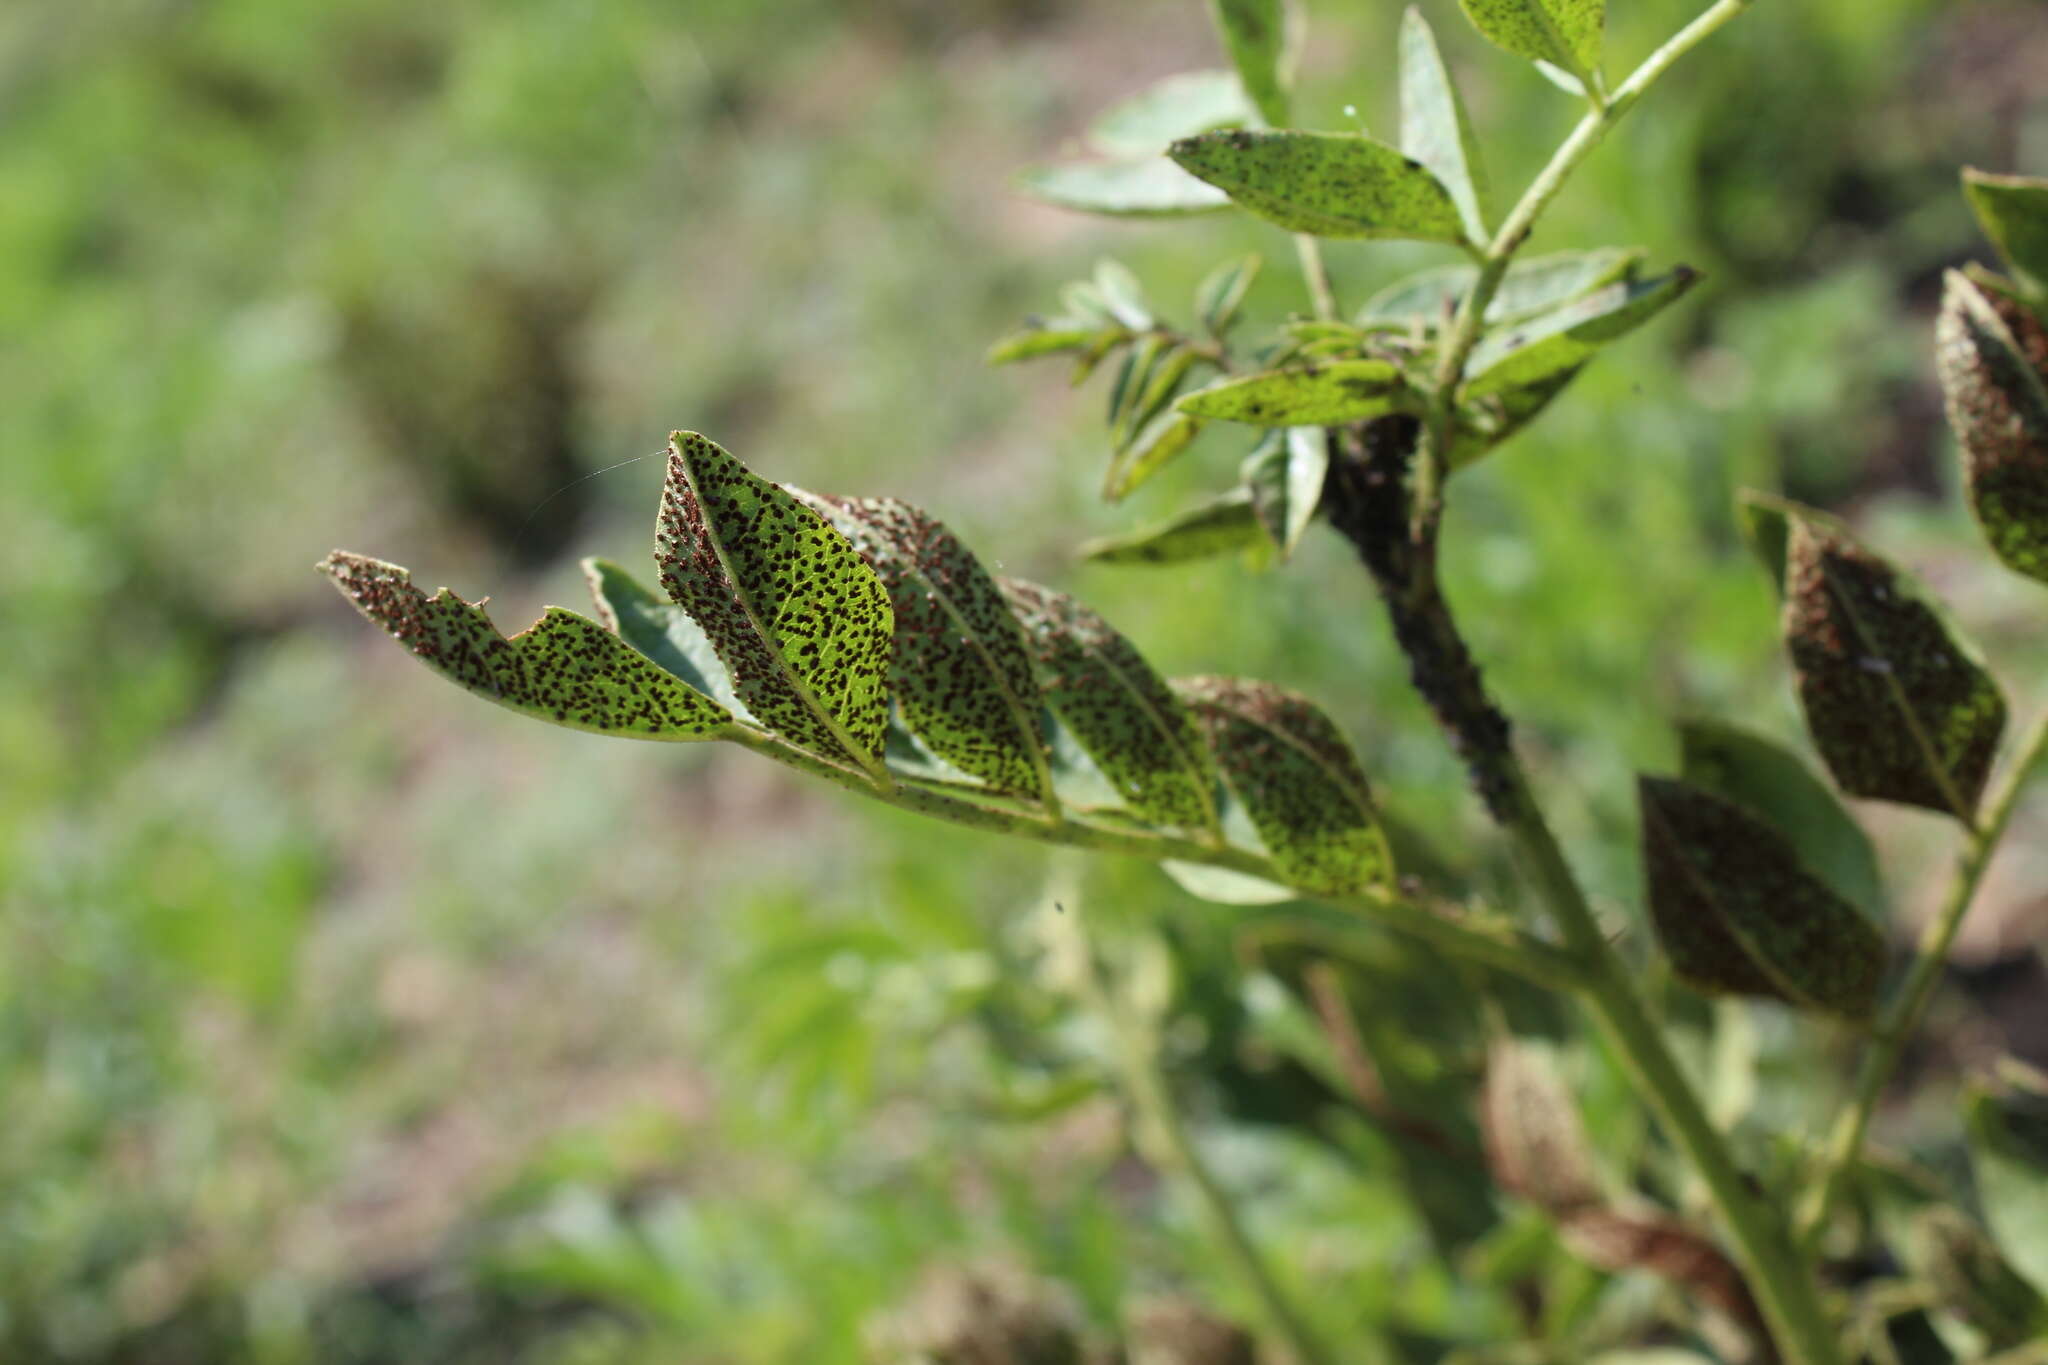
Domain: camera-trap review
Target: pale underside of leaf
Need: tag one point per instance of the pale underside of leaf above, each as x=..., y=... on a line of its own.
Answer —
x=1898, y=708
x=565, y=668
x=801, y=622
x=1150, y=187
x=1116, y=709
x=1567, y=337
x=1176, y=107
x=1531, y=286
x=1435, y=129
x=662, y=631
x=1328, y=184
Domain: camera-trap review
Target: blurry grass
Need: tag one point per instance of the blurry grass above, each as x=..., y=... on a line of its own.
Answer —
x=307, y=961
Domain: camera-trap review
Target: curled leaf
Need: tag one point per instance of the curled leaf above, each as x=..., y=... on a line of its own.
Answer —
x=1289, y=766
x=1435, y=129
x=662, y=631
x=1116, y=709
x=565, y=668
x=1899, y=709
x=1738, y=914
x=1329, y=184
x=1325, y=394
x=1991, y=351
x=1214, y=526
x=959, y=676
x=798, y=617
x=1150, y=187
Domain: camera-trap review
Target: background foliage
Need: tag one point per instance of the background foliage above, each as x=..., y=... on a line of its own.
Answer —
x=342, y=1019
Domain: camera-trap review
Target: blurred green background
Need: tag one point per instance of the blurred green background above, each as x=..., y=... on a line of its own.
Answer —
x=343, y=1018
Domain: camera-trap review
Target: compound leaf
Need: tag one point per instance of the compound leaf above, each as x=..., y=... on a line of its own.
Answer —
x=802, y=623
x=1899, y=709
x=1324, y=394
x=1328, y=184
x=1116, y=709
x=1435, y=129
x=960, y=678
x=1739, y=914
x=1991, y=352
x=1150, y=187
x=565, y=668
x=1288, y=764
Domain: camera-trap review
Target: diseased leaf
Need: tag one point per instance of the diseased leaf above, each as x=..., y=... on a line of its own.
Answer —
x=1992, y=353
x=1974, y=1281
x=1555, y=342
x=1566, y=33
x=565, y=668
x=1047, y=337
x=1117, y=710
x=1179, y=106
x=1215, y=526
x=2009, y=1153
x=1324, y=394
x=1435, y=129
x=960, y=678
x=1738, y=914
x=1899, y=709
x=1767, y=528
x=1289, y=765
x=2013, y=211
x=1770, y=782
x=1536, y=1144
x=1530, y=287
x=1164, y=437
x=1329, y=184
x=1285, y=475
x=1255, y=34
x=662, y=631
x=1221, y=292
x=800, y=620
x=1151, y=187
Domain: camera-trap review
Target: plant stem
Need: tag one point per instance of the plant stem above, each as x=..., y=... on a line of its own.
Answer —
x=1174, y=1150
x=1320, y=292
x=1903, y=1012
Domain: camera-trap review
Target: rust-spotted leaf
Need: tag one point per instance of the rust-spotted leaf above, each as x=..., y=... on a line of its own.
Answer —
x=1328, y=394
x=1288, y=764
x=1991, y=351
x=960, y=677
x=1328, y=184
x=1898, y=707
x=1558, y=342
x=801, y=622
x=1737, y=913
x=1118, y=711
x=565, y=668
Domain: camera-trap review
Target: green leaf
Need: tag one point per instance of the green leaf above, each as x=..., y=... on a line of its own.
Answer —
x=1289, y=765
x=1992, y=352
x=1974, y=1281
x=1536, y=1144
x=1488, y=421
x=799, y=618
x=1164, y=437
x=1179, y=106
x=1737, y=913
x=1225, y=887
x=1771, y=782
x=1565, y=338
x=1123, y=294
x=1303, y=395
x=1152, y=187
x=1530, y=287
x=1046, y=337
x=1216, y=526
x=662, y=631
x=1285, y=475
x=2013, y=210
x=1899, y=709
x=960, y=678
x=1160, y=384
x=1766, y=527
x=1435, y=129
x=1255, y=34
x=1117, y=710
x=2009, y=1153
x=1329, y=184
x=1221, y=292
x=1133, y=378
x=1566, y=33
x=565, y=669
